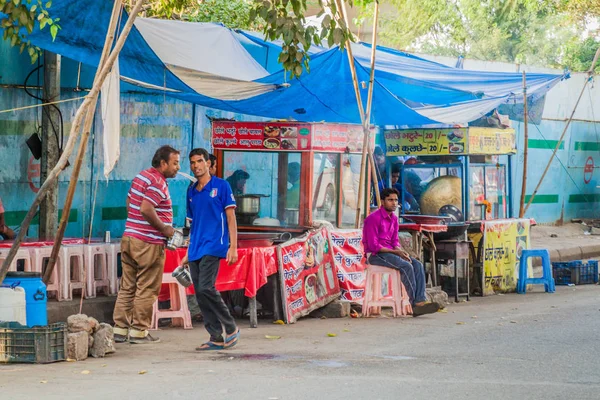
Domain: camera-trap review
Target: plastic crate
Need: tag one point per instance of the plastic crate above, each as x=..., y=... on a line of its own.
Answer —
x=40, y=344
x=563, y=273
x=575, y=272
x=588, y=273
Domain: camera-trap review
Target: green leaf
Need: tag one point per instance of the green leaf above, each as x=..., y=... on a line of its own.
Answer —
x=298, y=70
x=43, y=23
x=338, y=35
x=53, y=31
x=49, y=4
x=21, y=48
x=13, y=39
x=33, y=8
x=16, y=2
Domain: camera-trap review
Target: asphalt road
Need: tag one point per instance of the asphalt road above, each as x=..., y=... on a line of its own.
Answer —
x=534, y=346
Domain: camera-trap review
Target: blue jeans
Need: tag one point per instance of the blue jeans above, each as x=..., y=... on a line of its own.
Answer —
x=412, y=273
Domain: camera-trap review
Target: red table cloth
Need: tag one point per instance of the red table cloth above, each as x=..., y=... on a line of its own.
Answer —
x=423, y=227
x=250, y=272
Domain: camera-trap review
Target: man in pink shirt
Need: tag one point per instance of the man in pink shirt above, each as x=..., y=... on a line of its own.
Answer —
x=380, y=239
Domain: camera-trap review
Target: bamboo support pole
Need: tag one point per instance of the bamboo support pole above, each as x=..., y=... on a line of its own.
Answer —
x=562, y=136
x=87, y=126
x=525, y=148
x=101, y=73
x=364, y=115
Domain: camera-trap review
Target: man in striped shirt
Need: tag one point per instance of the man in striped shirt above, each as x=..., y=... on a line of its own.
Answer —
x=149, y=225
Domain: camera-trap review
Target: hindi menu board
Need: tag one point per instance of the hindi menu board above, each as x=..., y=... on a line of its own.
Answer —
x=426, y=142
x=308, y=274
x=492, y=141
x=277, y=136
x=348, y=254
x=503, y=242
x=337, y=137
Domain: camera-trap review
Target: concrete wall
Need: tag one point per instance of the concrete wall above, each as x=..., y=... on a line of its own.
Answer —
x=151, y=121
x=147, y=122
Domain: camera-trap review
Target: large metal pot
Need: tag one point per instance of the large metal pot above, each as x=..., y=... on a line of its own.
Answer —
x=248, y=204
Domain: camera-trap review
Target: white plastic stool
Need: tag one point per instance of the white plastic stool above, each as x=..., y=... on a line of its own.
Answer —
x=75, y=270
x=112, y=259
x=97, y=268
x=22, y=254
x=55, y=285
x=179, y=311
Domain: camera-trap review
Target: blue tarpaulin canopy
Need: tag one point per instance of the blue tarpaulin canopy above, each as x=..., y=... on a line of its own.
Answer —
x=210, y=65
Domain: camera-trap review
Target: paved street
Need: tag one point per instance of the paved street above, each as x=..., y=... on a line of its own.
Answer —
x=503, y=347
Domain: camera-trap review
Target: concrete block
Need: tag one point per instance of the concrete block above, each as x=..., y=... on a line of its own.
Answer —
x=104, y=341
x=77, y=345
x=437, y=295
x=591, y=250
x=81, y=323
x=570, y=253
x=335, y=309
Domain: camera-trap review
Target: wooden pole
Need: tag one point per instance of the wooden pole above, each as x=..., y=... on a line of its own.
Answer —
x=370, y=103
x=590, y=73
x=341, y=8
x=525, y=148
x=73, y=134
x=87, y=126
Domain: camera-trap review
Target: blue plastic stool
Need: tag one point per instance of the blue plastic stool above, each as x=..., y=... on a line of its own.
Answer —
x=546, y=279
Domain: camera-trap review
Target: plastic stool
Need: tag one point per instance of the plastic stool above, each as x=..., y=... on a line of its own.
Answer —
x=22, y=254
x=373, y=299
x=112, y=258
x=74, y=277
x=55, y=285
x=179, y=311
x=546, y=279
x=96, y=264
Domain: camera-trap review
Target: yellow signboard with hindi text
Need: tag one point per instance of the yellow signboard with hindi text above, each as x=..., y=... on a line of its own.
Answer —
x=492, y=141
x=426, y=142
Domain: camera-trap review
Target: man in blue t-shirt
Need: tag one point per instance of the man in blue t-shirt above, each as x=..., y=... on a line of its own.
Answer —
x=213, y=236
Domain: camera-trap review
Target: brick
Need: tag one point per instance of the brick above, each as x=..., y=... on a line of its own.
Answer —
x=77, y=345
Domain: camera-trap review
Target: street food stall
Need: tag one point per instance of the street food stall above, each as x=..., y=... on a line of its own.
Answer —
x=460, y=178
x=286, y=178
x=286, y=175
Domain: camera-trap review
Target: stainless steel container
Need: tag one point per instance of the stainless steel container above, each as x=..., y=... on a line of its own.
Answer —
x=176, y=240
x=183, y=276
x=107, y=237
x=248, y=204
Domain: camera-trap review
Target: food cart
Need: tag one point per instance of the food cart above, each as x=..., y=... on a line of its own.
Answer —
x=286, y=175
x=467, y=169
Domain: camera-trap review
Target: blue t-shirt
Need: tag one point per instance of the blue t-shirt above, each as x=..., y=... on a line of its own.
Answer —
x=209, y=233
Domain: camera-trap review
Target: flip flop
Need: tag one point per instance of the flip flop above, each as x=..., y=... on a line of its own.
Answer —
x=210, y=346
x=232, y=340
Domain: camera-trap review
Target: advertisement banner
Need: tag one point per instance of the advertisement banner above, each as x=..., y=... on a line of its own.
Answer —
x=337, y=137
x=426, y=142
x=503, y=243
x=308, y=274
x=348, y=256
x=492, y=141
x=260, y=136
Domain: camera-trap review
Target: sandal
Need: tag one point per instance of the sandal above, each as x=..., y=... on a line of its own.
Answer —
x=232, y=340
x=210, y=346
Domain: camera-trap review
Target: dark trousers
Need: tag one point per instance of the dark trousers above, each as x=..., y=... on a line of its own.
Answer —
x=215, y=312
x=412, y=274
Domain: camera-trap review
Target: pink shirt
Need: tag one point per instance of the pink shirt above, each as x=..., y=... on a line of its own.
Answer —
x=1, y=207
x=380, y=230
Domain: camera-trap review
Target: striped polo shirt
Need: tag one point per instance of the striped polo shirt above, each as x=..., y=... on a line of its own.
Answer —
x=148, y=185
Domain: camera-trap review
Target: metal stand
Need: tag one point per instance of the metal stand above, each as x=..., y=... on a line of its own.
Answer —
x=456, y=250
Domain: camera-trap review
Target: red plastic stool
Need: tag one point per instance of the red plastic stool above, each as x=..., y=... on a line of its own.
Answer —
x=179, y=311
x=374, y=299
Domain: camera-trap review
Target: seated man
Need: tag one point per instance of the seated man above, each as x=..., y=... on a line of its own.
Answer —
x=5, y=231
x=380, y=239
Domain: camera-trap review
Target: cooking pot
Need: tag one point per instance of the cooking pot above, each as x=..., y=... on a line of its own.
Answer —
x=248, y=204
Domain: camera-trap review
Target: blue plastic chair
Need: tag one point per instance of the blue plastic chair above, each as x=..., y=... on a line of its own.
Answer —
x=546, y=279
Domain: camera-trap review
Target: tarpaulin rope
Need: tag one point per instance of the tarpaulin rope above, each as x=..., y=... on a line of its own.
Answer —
x=40, y=105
